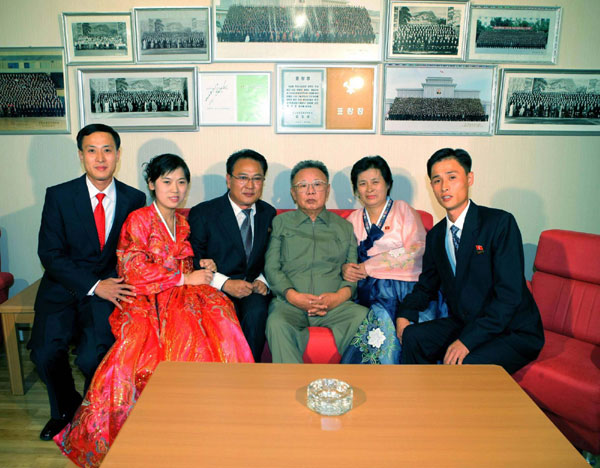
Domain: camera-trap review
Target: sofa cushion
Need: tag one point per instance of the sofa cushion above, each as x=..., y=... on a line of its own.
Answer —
x=564, y=378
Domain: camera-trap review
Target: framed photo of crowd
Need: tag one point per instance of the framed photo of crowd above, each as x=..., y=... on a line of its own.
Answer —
x=326, y=98
x=234, y=98
x=98, y=38
x=172, y=35
x=279, y=30
x=138, y=98
x=549, y=102
x=427, y=99
x=514, y=34
x=426, y=30
x=33, y=91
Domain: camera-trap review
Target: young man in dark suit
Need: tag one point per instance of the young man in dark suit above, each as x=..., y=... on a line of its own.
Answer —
x=475, y=257
x=234, y=231
x=81, y=223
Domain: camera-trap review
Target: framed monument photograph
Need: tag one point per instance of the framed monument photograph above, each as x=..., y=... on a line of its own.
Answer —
x=234, y=98
x=138, y=98
x=281, y=30
x=426, y=30
x=172, y=35
x=451, y=99
x=326, y=98
x=518, y=34
x=33, y=91
x=97, y=38
x=549, y=102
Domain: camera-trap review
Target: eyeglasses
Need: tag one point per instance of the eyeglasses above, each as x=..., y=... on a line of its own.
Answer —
x=244, y=179
x=318, y=185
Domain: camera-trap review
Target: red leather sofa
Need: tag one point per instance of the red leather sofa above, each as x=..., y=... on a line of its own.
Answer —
x=321, y=348
x=564, y=380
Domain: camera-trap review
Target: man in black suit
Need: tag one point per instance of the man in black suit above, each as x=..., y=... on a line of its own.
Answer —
x=475, y=256
x=81, y=223
x=234, y=231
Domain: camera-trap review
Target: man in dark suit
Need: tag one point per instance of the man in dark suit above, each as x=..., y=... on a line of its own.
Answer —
x=81, y=223
x=475, y=257
x=234, y=231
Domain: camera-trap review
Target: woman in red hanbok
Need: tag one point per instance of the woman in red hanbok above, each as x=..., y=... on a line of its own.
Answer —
x=174, y=316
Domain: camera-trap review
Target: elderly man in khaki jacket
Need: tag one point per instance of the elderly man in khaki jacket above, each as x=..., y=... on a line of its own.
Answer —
x=303, y=266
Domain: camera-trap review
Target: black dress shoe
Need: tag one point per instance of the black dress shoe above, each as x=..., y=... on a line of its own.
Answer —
x=53, y=427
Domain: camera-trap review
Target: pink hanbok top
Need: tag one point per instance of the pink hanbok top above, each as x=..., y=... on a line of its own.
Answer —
x=398, y=254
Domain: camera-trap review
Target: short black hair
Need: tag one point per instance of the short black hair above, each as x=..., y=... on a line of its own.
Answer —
x=460, y=155
x=93, y=128
x=309, y=164
x=164, y=164
x=371, y=162
x=246, y=154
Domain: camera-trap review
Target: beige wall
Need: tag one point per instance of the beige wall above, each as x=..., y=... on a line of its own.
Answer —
x=546, y=181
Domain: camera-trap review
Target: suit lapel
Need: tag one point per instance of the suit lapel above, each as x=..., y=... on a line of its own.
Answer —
x=83, y=207
x=260, y=230
x=467, y=241
x=121, y=205
x=229, y=226
x=441, y=253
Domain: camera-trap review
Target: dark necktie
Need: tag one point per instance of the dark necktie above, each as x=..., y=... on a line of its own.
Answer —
x=246, y=230
x=455, y=239
x=99, y=217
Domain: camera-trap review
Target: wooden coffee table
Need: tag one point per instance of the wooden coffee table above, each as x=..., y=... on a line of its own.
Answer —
x=255, y=415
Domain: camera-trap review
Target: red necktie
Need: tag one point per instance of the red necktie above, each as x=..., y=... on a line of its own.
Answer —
x=100, y=219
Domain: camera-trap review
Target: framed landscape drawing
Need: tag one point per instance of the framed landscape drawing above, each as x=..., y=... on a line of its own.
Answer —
x=451, y=99
x=139, y=99
x=98, y=37
x=326, y=99
x=280, y=30
x=33, y=91
x=235, y=98
x=426, y=30
x=549, y=102
x=514, y=34
x=171, y=35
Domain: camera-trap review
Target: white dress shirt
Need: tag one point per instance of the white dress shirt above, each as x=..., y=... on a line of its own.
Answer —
x=459, y=223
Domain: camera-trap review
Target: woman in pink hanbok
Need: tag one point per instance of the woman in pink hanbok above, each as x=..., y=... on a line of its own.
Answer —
x=174, y=316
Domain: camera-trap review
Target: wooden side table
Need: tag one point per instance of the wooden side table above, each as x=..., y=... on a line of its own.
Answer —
x=18, y=309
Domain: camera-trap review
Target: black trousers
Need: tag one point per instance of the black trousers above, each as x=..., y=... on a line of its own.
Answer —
x=427, y=342
x=55, y=330
x=252, y=314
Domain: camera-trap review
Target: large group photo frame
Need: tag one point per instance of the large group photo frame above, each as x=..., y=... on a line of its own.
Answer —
x=320, y=98
x=426, y=30
x=234, y=98
x=139, y=99
x=33, y=91
x=440, y=99
x=549, y=102
x=286, y=30
x=514, y=34
x=172, y=34
x=91, y=38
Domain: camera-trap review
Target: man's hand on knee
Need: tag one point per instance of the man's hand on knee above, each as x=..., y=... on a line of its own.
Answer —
x=115, y=291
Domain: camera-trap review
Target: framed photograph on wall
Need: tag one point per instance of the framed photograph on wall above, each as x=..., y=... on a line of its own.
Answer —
x=507, y=34
x=426, y=30
x=326, y=98
x=280, y=30
x=172, y=35
x=234, y=98
x=549, y=102
x=451, y=99
x=139, y=99
x=33, y=91
x=98, y=37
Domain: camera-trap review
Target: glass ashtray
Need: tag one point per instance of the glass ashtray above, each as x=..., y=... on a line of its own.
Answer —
x=329, y=397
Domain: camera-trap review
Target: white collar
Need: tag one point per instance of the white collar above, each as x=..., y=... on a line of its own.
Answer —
x=460, y=221
x=172, y=234
x=110, y=191
x=237, y=210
